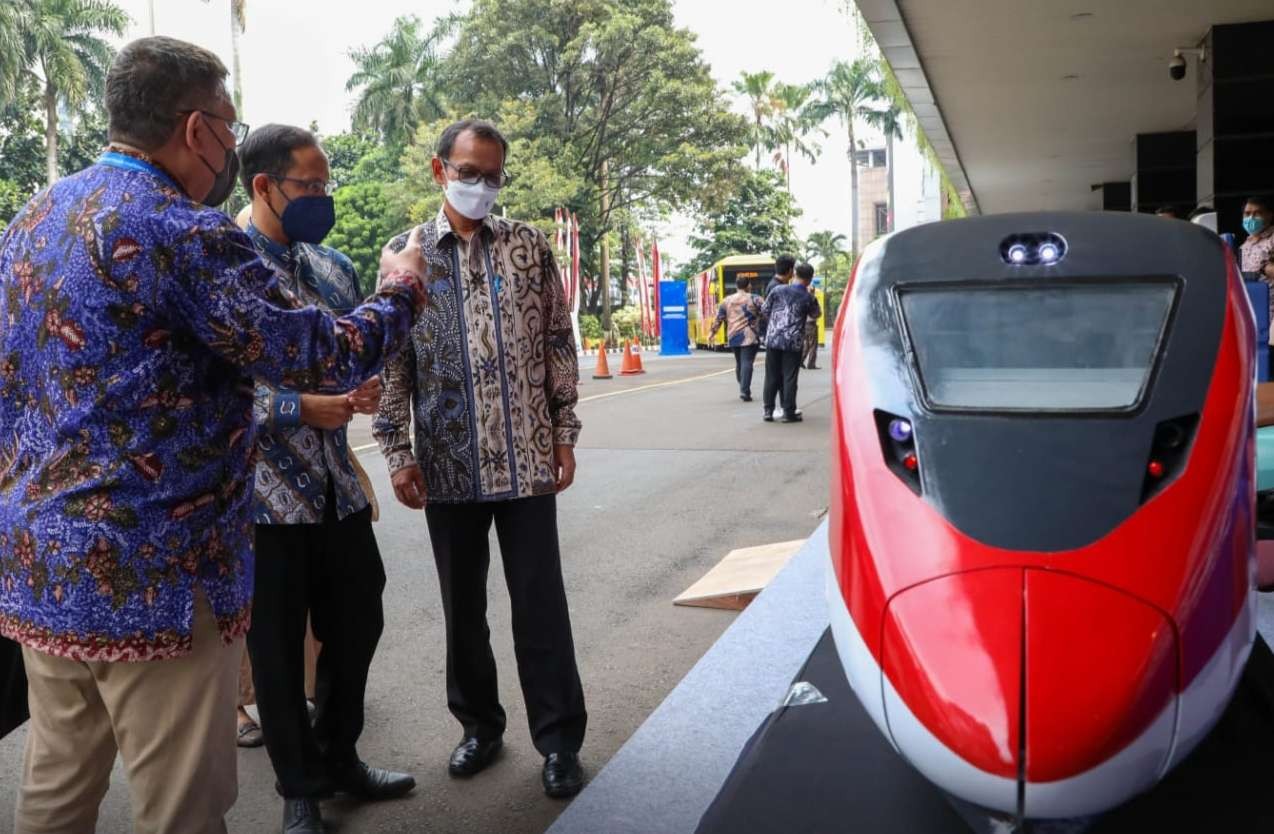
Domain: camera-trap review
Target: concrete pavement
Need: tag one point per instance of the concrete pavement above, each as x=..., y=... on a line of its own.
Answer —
x=673, y=472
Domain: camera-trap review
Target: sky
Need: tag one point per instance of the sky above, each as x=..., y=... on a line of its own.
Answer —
x=295, y=61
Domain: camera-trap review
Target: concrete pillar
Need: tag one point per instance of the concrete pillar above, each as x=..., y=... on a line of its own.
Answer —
x=1236, y=119
x=1166, y=174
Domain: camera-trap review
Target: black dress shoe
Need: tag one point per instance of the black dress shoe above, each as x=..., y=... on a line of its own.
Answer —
x=473, y=755
x=373, y=783
x=563, y=776
x=793, y=418
x=768, y=416
x=302, y=816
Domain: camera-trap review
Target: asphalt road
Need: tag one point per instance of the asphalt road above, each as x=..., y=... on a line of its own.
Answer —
x=674, y=471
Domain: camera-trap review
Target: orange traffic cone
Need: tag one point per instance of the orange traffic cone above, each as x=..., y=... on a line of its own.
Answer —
x=603, y=368
x=632, y=360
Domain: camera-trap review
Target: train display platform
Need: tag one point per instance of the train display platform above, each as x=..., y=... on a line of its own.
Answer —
x=706, y=741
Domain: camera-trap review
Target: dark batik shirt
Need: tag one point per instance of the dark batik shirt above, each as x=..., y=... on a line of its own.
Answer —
x=490, y=376
x=132, y=323
x=785, y=311
x=298, y=463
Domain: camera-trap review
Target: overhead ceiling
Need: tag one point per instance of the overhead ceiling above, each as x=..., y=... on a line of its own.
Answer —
x=1029, y=103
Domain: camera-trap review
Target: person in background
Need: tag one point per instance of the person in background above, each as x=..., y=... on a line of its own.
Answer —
x=1169, y=212
x=786, y=310
x=809, y=356
x=490, y=380
x=783, y=266
x=316, y=554
x=1257, y=252
x=135, y=318
x=740, y=312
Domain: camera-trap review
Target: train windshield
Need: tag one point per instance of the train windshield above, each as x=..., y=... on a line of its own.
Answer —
x=1076, y=347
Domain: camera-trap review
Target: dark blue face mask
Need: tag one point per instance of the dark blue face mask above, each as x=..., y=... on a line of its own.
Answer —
x=307, y=219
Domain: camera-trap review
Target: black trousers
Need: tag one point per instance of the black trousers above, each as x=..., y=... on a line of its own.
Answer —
x=744, y=357
x=527, y=531
x=781, y=370
x=333, y=572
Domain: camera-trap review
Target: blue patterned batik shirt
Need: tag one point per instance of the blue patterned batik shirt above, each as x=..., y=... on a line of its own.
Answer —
x=298, y=462
x=132, y=323
x=786, y=309
x=490, y=375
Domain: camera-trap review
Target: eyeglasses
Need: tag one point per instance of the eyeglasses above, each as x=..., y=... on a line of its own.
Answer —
x=312, y=188
x=238, y=129
x=472, y=176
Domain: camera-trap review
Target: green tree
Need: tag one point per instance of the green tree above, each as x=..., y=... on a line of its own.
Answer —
x=61, y=47
x=848, y=92
x=11, y=201
x=397, y=80
x=756, y=221
x=824, y=247
x=792, y=124
x=365, y=221
x=619, y=105
x=22, y=139
x=361, y=157
x=758, y=88
x=12, y=56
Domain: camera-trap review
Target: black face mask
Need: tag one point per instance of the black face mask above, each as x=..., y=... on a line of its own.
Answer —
x=223, y=180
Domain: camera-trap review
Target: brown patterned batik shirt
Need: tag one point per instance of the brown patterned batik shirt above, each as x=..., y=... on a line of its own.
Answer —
x=490, y=376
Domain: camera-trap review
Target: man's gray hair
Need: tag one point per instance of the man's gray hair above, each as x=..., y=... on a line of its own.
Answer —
x=151, y=81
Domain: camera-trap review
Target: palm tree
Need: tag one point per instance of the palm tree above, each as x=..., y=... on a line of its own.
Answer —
x=889, y=122
x=12, y=58
x=824, y=247
x=758, y=88
x=792, y=124
x=847, y=92
x=399, y=81
x=62, y=51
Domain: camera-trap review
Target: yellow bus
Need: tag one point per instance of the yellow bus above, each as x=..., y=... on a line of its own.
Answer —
x=760, y=270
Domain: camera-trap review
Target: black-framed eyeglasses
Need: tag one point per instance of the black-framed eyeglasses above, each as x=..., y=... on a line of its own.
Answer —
x=238, y=129
x=312, y=188
x=471, y=176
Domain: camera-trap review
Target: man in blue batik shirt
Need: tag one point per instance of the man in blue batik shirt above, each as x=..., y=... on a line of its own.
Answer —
x=787, y=307
x=136, y=316
x=316, y=553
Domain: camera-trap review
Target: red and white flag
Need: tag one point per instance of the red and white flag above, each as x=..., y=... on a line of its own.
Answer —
x=656, y=276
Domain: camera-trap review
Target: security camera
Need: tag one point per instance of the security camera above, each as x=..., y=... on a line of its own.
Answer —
x=1177, y=66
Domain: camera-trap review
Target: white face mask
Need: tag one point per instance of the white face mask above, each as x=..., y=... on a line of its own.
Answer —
x=473, y=201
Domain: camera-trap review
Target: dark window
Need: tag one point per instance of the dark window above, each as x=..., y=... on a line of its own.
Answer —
x=881, y=211
x=1007, y=347
x=870, y=159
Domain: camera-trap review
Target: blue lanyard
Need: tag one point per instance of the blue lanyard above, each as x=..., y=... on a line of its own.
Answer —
x=128, y=163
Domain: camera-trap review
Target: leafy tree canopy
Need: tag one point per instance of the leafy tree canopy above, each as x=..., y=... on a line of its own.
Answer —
x=757, y=220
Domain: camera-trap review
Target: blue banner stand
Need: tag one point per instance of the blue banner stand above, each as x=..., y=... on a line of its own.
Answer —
x=674, y=332
x=1259, y=294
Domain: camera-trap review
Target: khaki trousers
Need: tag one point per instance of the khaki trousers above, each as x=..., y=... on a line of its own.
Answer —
x=172, y=722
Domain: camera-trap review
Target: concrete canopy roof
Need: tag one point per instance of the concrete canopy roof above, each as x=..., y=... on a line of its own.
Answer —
x=1029, y=103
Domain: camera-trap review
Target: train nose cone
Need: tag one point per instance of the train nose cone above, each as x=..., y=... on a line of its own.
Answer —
x=998, y=676
x=952, y=658
x=1101, y=678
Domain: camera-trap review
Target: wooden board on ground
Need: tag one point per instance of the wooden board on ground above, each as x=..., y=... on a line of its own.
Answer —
x=739, y=577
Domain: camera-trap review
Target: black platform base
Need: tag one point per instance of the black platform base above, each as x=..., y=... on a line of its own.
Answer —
x=824, y=768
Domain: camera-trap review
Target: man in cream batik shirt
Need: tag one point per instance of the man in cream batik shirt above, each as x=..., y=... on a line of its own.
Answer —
x=490, y=379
